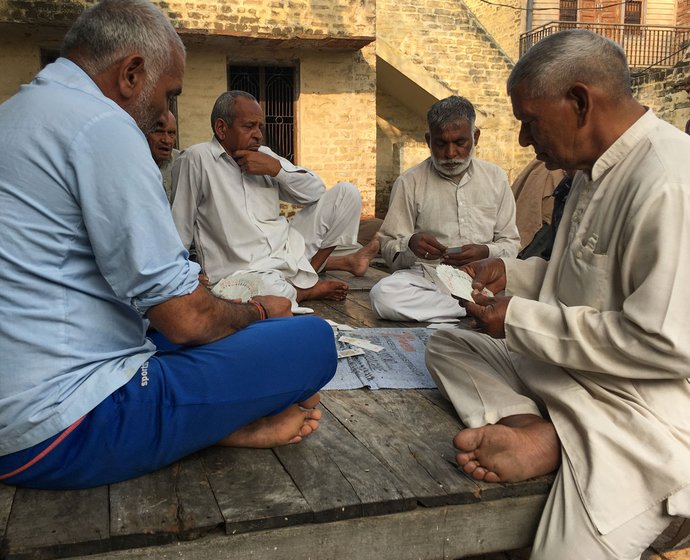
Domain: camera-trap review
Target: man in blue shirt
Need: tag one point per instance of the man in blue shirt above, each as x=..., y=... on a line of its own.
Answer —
x=90, y=257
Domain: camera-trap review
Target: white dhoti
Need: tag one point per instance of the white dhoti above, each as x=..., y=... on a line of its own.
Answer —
x=332, y=221
x=485, y=382
x=407, y=295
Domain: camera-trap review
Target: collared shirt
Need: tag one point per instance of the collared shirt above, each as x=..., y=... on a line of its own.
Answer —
x=166, y=172
x=87, y=247
x=234, y=218
x=479, y=209
x=612, y=308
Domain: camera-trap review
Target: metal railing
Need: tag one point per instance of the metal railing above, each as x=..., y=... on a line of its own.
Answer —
x=645, y=45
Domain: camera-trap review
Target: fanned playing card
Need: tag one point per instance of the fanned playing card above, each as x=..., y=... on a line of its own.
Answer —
x=452, y=281
x=241, y=285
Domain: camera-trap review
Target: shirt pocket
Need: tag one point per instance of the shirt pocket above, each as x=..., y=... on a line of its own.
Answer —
x=585, y=274
x=477, y=223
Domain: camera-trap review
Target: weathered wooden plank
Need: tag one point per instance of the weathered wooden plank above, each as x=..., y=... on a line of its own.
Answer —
x=358, y=283
x=340, y=478
x=143, y=510
x=253, y=490
x=426, y=473
x=52, y=524
x=170, y=504
x=360, y=313
x=326, y=311
x=6, y=498
x=437, y=533
x=198, y=512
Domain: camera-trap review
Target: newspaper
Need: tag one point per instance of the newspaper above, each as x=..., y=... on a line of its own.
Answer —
x=398, y=365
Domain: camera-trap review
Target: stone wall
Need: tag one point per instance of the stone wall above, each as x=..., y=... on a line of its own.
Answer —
x=336, y=109
x=336, y=130
x=664, y=92
x=445, y=39
x=248, y=18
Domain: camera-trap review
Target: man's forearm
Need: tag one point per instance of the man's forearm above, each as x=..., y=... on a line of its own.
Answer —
x=201, y=317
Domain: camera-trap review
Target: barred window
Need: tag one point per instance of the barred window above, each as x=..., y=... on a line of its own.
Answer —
x=274, y=88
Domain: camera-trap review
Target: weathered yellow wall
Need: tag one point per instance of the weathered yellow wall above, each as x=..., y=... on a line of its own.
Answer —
x=336, y=131
x=19, y=62
x=504, y=21
x=444, y=38
x=664, y=91
x=247, y=17
x=337, y=116
x=275, y=17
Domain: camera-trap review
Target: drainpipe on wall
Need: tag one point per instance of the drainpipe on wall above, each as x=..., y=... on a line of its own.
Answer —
x=528, y=24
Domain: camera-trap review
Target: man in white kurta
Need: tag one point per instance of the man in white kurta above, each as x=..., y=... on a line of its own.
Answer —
x=592, y=350
x=227, y=202
x=450, y=200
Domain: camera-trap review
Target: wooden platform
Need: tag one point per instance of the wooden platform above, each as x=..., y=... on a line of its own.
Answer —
x=377, y=481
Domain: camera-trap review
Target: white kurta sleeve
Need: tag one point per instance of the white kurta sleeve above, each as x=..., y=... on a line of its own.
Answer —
x=524, y=277
x=506, y=242
x=187, y=186
x=296, y=185
x=399, y=225
x=639, y=328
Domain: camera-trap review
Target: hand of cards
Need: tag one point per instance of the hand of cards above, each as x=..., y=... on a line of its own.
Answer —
x=452, y=281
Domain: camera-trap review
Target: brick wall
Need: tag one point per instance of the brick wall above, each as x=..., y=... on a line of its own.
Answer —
x=248, y=18
x=664, y=92
x=446, y=40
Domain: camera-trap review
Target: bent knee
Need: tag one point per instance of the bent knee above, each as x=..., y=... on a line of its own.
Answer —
x=382, y=300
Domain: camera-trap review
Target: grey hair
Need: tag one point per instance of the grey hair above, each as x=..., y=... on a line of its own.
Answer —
x=113, y=29
x=224, y=107
x=449, y=111
x=574, y=55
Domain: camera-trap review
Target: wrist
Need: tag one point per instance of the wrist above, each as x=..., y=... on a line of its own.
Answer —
x=263, y=313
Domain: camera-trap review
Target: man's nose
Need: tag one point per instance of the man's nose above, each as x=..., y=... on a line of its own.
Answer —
x=524, y=138
x=451, y=151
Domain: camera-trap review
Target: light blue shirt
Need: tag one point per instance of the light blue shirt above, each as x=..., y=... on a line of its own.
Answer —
x=87, y=246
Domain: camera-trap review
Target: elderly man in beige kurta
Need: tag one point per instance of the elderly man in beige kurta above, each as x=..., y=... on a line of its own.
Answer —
x=590, y=372
x=451, y=208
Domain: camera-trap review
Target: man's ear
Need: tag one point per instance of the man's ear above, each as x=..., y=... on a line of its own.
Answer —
x=220, y=127
x=427, y=137
x=131, y=75
x=477, y=134
x=580, y=98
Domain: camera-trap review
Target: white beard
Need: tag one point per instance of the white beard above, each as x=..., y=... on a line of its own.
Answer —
x=460, y=166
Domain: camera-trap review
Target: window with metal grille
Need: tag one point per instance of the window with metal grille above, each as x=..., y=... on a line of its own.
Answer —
x=274, y=88
x=633, y=12
x=567, y=10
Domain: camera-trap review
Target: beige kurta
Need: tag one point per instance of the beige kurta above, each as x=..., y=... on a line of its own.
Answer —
x=479, y=209
x=234, y=218
x=612, y=309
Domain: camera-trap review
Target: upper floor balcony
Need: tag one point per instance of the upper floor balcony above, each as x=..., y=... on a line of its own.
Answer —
x=645, y=46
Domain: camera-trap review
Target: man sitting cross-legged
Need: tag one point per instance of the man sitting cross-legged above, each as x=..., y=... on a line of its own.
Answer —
x=584, y=368
x=227, y=202
x=89, y=257
x=452, y=208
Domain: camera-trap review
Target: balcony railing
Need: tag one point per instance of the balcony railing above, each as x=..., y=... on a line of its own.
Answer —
x=645, y=45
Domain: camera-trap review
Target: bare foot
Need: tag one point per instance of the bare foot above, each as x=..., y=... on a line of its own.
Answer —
x=355, y=263
x=516, y=448
x=334, y=290
x=289, y=426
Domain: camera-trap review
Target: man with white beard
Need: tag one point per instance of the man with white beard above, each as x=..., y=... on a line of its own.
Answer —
x=452, y=209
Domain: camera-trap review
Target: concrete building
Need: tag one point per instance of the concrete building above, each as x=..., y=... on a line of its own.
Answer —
x=345, y=83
